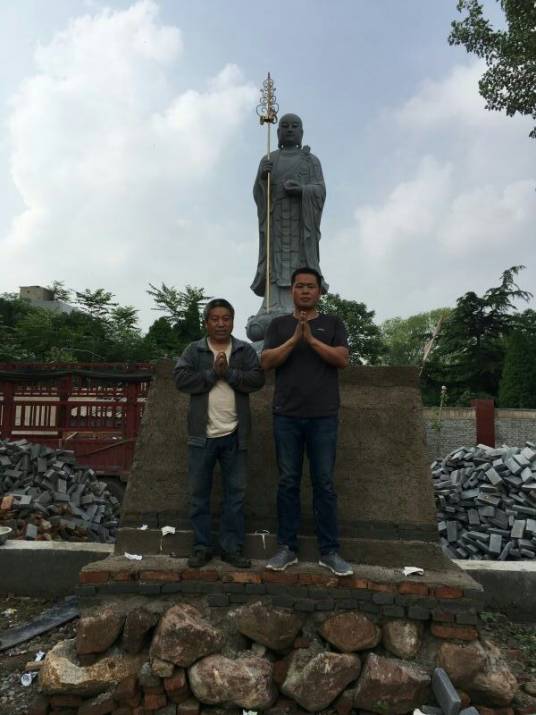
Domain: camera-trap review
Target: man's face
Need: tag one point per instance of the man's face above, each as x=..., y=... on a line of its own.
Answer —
x=290, y=130
x=305, y=291
x=219, y=324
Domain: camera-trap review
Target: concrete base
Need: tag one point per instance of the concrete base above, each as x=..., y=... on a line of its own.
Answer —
x=374, y=552
x=509, y=586
x=45, y=568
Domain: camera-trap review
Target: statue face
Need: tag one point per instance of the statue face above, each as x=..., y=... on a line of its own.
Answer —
x=290, y=130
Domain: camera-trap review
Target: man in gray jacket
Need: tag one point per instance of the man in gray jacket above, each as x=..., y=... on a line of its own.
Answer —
x=218, y=372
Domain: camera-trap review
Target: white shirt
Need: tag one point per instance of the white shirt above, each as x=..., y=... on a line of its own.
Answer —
x=222, y=416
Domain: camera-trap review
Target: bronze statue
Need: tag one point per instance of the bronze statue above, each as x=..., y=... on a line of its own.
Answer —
x=297, y=199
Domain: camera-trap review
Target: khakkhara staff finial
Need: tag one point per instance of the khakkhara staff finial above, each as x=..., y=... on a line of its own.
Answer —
x=267, y=110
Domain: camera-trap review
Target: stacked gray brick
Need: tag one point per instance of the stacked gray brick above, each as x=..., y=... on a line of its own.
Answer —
x=486, y=502
x=48, y=484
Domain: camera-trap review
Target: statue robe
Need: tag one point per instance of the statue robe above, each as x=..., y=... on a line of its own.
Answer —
x=295, y=220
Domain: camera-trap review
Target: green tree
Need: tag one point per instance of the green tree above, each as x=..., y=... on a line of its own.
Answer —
x=365, y=341
x=470, y=349
x=97, y=303
x=510, y=54
x=59, y=291
x=182, y=313
x=518, y=381
x=406, y=338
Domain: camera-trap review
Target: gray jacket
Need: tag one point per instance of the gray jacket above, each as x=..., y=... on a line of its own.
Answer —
x=194, y=374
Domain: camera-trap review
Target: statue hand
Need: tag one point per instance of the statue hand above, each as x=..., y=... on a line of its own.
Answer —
x=266, y=167
x=292, y=187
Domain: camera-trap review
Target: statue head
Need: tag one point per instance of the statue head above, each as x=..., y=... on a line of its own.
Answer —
x=289, y=131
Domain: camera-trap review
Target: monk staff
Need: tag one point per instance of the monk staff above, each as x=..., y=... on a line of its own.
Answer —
x=267, y=111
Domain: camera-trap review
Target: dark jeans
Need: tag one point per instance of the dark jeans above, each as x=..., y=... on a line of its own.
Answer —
x=201, y=463
x=317, y=436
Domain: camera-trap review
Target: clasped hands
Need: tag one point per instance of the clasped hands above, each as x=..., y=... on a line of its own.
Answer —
x=303, y=330
x=221, y=366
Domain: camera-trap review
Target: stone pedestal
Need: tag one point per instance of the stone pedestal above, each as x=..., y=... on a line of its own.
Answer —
x=386, y=507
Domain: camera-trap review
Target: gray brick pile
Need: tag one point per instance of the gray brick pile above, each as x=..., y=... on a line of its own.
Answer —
x=45, y=495
x=486, y=502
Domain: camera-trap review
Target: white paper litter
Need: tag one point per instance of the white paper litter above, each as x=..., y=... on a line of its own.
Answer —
x=26, y=679
x=412, y=571
x=418, y=712
x=133, y=557
x=167, y=530
x=143, y=527
x=263, y=533
x=39, y=656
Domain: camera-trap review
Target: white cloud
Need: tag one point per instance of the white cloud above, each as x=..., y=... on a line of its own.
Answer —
x=463, y=207
x=113, y=162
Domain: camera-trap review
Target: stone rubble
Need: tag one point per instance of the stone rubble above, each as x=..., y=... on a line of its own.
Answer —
x=180, y=666
x=486, y=502
x=45, y=495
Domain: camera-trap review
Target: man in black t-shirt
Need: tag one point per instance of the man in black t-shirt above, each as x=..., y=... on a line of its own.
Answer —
x=307, y=350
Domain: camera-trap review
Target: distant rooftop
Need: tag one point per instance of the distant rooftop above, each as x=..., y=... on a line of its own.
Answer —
x=44, y=298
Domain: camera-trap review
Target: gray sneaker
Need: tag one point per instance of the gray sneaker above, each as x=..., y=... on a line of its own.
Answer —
x=336, y=564
x=283, y=558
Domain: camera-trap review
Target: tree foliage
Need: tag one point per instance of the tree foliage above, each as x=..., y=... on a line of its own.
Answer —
x=471, y=346
x=405, y=339
x=518, y=381
x=510, y=54
x=364, y=337
x=181, y=322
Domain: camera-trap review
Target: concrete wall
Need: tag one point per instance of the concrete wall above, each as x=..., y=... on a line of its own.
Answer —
x=381, y=474
x=458, y=428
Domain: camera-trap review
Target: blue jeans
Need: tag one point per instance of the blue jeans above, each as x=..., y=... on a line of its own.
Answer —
x=201, y=463
x=317, y=436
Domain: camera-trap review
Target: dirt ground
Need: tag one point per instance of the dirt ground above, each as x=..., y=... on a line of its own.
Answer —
x=15, y=611
x=516, y=640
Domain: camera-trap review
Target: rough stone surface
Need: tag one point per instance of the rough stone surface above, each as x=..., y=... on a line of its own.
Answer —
x=314, y=682
x=496, y=685
x=245, y=682
x=162, y=668
x=102, y=704
x=390, y=686
x=177, y=688
x=351, y=631
x=183, y=636
x=61, y=674
x=402, y=638
x=138, y=623
x=530, y=688
x=98, y=631
x=188, y=707
x=461, y=662
x=275, y=628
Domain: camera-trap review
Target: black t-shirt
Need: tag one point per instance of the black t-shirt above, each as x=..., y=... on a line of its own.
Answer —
x=305, y=385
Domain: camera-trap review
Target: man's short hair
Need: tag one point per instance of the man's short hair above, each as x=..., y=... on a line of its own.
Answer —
x=217, y=303
x=309, y=272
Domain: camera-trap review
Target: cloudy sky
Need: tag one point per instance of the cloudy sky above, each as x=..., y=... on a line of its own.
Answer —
x=129, y=143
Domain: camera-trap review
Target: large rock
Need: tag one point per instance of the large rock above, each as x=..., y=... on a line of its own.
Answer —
x=98, y=631
x=461, y=662
x=276, y=628
x=391, y=687
x=496, y=685
x=61, y=673
x=245, y=682
x=402, y=638
x=351, y=631
x=138, y=623
x=183, y=636
x=314, y=682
